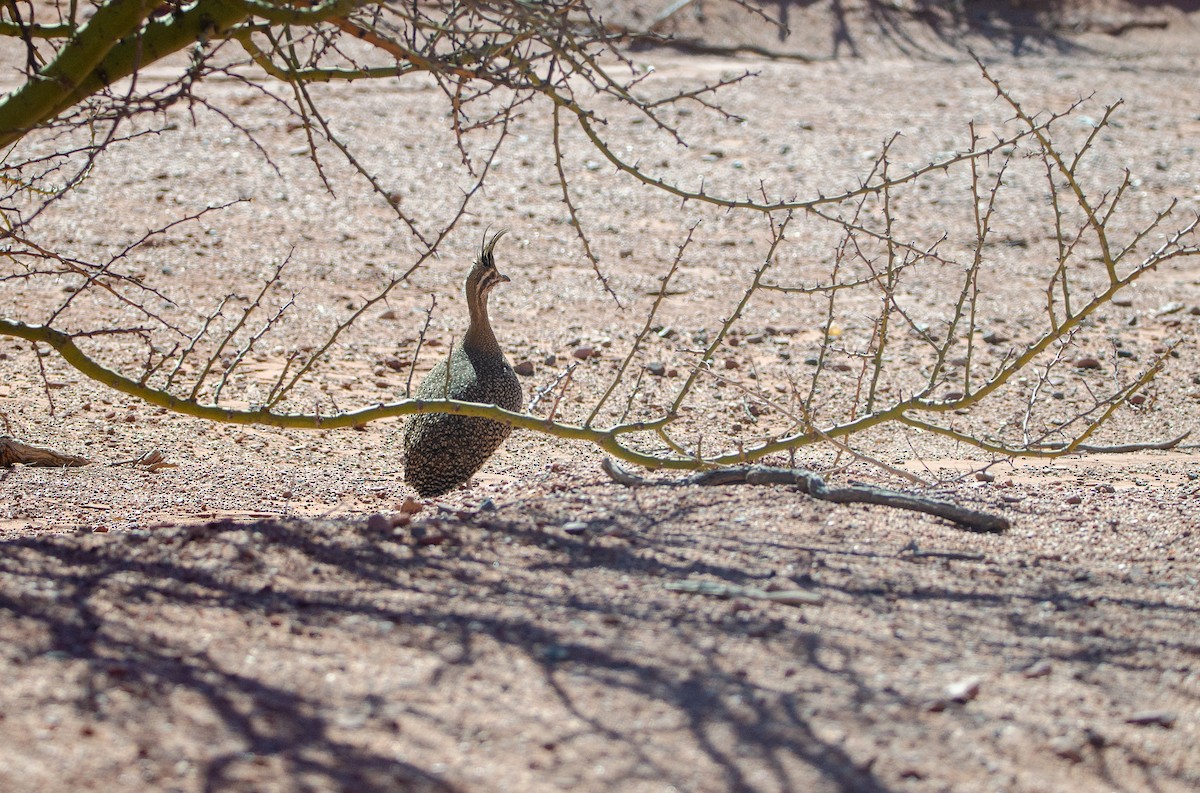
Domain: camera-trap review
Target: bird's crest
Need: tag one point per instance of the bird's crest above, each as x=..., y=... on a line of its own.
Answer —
x=485, y=257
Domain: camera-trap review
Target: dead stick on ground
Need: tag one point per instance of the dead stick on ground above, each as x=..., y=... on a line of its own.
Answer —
x=812, y=484
x=13, y=451
x=1122, y=448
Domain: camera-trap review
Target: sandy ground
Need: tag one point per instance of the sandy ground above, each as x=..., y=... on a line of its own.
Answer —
x=265, y=616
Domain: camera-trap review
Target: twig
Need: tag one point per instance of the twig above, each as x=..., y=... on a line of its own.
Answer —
x=914, y=551
x=412, y=366
x=541, y=393
x=637, y=342
x=566, y=197
x=153, y=460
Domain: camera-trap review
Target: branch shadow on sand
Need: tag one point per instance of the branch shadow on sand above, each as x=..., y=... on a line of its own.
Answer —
x=920, y=28
x=502, y=602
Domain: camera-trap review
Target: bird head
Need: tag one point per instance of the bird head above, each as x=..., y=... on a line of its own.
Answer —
x=484, y=275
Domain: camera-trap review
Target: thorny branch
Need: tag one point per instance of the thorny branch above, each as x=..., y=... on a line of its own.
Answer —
x=916, y=366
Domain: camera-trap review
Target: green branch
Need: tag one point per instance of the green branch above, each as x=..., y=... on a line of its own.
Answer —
x=119, y=40
x=60, y=31
x=245, y=37
x=291, y=15
x=43, y=96
x=606, y=439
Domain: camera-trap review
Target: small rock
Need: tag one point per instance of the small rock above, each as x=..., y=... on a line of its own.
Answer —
x=757, y=338
x=555, y=652
x=379, y=523
x=487, y=505
x=1104, y=488
x=411, y=506
x=1068, y=747
x=1073, y=499
x=394, y=363
x=1124, y=301
x=952, y=396
x=389, y=314
x=524, y=368
x=672, y=373
x=1087, y=362
x=995, y=337
x=550, y=360
x=1170, y=308
x=1137, y=400
x=1161, y=718
x=1039, y=668
x=731, y=363
x=964, y=690
x=429, y=537
x=575, y=527
x=984, y=476
x=583, y=353
x=1125, y=354
x=1057, y=395
x=656, y=368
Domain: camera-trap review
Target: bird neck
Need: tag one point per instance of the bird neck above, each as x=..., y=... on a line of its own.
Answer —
x=480, y=337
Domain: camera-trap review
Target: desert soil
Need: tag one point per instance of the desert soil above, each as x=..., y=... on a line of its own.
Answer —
x=264, y=616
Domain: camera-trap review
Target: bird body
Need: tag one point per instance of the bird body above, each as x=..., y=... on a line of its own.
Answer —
x=443, y=451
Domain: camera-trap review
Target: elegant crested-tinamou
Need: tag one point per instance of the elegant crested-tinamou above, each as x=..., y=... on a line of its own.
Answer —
x=443, y=451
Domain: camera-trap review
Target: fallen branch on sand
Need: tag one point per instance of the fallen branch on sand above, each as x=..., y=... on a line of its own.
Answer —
x=812, y=484
x=13, y=451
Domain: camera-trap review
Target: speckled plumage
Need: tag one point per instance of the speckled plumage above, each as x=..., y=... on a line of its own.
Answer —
x=442, y=451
